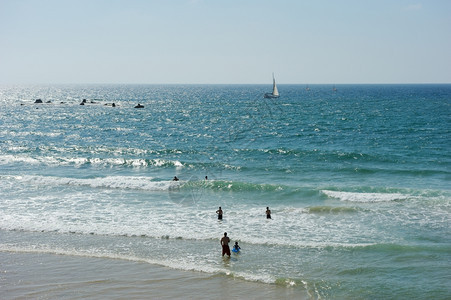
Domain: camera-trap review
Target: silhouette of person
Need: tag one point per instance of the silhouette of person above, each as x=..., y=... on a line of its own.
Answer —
x=225, y=245
x=236, y=247
x=219, y=212
x=268, y=213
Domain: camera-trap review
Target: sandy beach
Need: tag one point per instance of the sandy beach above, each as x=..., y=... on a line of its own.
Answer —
x=49, y=276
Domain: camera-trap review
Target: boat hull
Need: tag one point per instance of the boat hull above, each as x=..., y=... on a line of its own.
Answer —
x=270, y=95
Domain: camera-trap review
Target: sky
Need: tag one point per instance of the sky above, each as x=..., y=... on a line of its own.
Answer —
x=225, y=42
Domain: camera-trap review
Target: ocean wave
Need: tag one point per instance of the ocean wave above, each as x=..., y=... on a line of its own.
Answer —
x=247, y=240
x=82, y=161
x=365, y=197
x=238, y=186
x=90, y=150
x=112, y=182
x=148, y=183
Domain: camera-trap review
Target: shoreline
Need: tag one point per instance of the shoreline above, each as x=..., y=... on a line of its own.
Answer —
x=53, y=276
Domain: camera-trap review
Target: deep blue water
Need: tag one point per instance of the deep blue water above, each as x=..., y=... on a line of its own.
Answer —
x=358, y=181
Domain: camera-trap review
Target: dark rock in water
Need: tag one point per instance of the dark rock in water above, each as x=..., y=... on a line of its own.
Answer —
x=82, y=103
x=139, y=106
x=49, y=101
x=113, y=105
x=38, y=101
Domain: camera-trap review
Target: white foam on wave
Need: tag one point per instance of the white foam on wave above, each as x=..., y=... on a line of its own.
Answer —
x=301, y=244
x=364, y=197
x=78, y=161
x=114, y=182
x=7, y=159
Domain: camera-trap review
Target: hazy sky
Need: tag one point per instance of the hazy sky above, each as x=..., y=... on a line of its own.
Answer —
x=228, y=41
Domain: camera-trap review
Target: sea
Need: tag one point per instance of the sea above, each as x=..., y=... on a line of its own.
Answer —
x=357, y=180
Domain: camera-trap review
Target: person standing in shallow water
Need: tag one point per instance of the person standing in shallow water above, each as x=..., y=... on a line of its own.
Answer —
x=219, y=212
x=268, y=213
x=225, y=244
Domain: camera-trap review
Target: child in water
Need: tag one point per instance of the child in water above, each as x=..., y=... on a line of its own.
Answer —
x=236, y=248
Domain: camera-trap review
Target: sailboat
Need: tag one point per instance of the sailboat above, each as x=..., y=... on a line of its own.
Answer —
x=275, y=92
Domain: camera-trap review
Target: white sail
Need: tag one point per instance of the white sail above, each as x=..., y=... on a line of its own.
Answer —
x=275, y=92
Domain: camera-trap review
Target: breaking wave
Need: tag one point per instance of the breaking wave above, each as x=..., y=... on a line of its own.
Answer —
x=365, y=197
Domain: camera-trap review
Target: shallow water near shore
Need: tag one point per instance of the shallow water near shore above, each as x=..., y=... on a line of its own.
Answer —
x=357, y=181
x=47, y=276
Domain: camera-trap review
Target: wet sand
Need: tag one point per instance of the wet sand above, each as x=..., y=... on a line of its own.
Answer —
x=49, y=276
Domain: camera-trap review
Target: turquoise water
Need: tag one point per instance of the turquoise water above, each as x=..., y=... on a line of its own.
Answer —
x=358, y=181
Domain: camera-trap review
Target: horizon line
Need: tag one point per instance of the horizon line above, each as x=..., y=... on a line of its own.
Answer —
x=112, y=83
